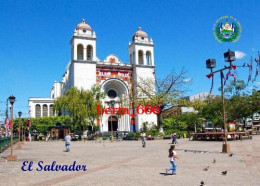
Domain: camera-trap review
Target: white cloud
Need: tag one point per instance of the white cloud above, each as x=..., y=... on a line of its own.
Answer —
x=187, y=80
x=239, y=54
x=257, y=83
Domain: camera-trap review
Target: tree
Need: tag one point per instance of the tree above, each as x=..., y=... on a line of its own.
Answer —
x=238, y=107
x=235, y=87
x=191, y=120
x=93, y=98
x=80, y=105
x=165, y=92
x=212, y=111
x=255, y=99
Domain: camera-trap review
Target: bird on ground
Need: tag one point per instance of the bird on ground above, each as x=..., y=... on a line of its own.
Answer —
x=206, y=169
x=224, y=173
x=201, y=183
x=231, y=154
x=214, y=161
x=185, y=150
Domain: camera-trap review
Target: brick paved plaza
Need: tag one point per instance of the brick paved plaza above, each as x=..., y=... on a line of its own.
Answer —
x=127, y=163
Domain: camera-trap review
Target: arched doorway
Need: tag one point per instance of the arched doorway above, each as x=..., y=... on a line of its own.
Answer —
x=112, y=122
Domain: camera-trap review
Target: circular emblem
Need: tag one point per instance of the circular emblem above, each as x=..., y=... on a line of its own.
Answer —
x=112, y=60
x=227, y=29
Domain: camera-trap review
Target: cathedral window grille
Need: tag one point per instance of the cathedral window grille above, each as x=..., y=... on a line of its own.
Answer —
x=140, y=57
x=112, y=94
x=44, y=110
x=38, y=111
x=51, y=110
x=148, y=58
x=79, y=52
x=89, y=52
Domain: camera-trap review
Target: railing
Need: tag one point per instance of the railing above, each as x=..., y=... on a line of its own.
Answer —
x=5, y=142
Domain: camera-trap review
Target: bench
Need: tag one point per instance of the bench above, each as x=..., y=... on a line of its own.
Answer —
x=167, y=137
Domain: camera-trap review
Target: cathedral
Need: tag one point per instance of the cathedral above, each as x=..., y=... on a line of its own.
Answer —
x=114, y=77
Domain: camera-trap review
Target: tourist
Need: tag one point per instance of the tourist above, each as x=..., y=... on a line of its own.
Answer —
x=116, y=136
x=67, y=142
x=143, y=135
x=174, y=138
x=173, y=157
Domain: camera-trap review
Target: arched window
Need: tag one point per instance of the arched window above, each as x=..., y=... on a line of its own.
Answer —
x=148, y=58
x=79, y=52
x=140, y=57
x=51, y=111
x=37, y=111
x=89, y=52
x=131, y=60
x=133, y=57
x=44, y=110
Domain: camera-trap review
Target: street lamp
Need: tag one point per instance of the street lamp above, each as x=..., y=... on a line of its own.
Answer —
x=210, y=64
x=11, y=157
x=19, y=143
x=111, y=105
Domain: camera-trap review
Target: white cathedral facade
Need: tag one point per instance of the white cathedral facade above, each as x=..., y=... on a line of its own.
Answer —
x=114, y=77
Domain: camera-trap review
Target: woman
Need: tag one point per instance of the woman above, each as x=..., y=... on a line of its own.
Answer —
x=173, y=157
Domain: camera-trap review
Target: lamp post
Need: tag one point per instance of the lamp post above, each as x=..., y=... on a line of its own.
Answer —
x=11, y=157
x=19, y=143
x=111, y=105
x=210, y=64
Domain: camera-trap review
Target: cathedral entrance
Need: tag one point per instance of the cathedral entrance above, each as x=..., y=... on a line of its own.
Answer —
x=112, y=123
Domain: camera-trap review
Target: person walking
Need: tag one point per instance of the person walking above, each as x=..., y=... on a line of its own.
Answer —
x=172, y=136
x=67, y=142
x=143, y=135
x=173, y=156
x=175, y=139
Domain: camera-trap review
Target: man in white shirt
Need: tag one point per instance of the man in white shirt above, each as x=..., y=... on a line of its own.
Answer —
x=67, y=142
x=143, y=135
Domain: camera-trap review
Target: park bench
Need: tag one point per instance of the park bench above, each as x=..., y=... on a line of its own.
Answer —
x=167, y=137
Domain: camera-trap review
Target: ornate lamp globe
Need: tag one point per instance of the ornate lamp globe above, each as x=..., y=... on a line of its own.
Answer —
x=19, y=114
x=11, y=99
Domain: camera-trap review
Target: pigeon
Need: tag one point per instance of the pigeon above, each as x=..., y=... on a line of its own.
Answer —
x=214, y=161
x=224, y=173
x=185, y=150
x=230, y=155
x=201, y=183
x=206, y=169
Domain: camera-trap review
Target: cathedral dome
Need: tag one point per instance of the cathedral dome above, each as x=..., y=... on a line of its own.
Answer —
x=140, y=33
x=83, y=26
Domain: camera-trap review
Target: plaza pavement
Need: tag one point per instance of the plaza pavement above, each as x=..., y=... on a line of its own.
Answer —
x=127, y=163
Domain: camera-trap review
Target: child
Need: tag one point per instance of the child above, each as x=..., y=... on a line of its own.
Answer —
x=173, y=157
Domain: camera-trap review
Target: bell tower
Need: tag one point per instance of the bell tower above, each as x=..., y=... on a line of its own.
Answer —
x=83, y=57
x=141, y=57
x=83, y=43
x=141, y=49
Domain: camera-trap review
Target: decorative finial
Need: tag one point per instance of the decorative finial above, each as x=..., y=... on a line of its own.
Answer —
x=83, y=20
x=139, y=28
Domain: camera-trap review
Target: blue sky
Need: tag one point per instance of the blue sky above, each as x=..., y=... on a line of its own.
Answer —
x=35, y=37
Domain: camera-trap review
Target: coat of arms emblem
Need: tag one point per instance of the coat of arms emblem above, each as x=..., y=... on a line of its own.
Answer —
x=227, y=29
